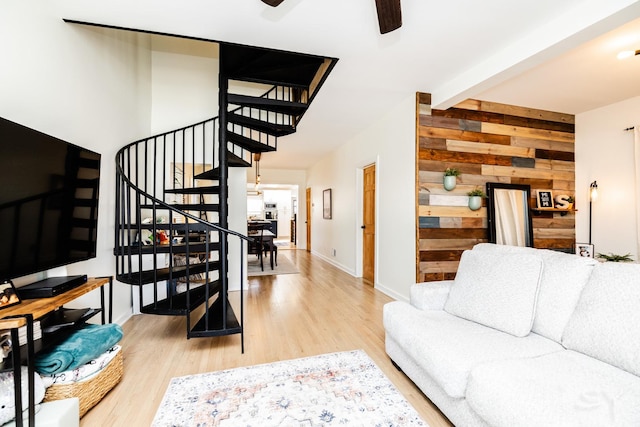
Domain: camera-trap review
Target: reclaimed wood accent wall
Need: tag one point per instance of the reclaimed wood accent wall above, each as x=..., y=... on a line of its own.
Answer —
x=487, y=142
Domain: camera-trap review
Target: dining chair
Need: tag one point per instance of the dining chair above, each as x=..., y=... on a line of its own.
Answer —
x=256, y=246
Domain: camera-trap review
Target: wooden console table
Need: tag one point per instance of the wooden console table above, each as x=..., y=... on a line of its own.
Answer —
x=25, y=313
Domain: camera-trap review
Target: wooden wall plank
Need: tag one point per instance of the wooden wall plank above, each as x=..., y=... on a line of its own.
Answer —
x=493, y=149
x=473, y=104
x=527, y=132
x=543, y=144
x=526, y=172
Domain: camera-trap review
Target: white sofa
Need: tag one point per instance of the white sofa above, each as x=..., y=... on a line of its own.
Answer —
x=524, y=337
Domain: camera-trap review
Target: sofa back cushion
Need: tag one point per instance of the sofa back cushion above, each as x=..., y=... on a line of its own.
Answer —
x=605, y=322
x=563, y=278
x=496, y=290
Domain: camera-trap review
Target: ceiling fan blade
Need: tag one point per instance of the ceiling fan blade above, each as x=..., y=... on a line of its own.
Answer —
x=272, y=3
x=389, y=15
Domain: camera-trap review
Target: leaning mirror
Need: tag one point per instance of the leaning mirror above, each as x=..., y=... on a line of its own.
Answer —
x=508, y=214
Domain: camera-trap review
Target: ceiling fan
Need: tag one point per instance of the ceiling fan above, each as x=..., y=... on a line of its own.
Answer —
x=389, y=13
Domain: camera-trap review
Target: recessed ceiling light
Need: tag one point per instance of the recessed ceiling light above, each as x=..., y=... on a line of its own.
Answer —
x=628, y=53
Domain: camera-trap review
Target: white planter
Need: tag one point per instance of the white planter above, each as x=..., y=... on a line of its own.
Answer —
x=475, y=202
x=449, y=182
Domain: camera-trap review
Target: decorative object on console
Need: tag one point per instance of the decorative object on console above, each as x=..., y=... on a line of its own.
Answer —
x=450, y=178
x=8, y=295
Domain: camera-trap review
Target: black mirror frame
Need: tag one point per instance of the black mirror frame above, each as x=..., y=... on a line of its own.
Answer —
x=491, y=214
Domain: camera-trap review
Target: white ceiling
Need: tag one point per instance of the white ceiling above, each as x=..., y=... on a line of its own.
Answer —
x=556, y=55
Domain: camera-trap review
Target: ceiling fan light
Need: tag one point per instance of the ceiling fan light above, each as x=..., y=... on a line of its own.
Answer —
x=628, y=54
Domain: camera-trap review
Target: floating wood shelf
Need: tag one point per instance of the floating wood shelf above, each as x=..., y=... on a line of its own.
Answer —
x=563, y=212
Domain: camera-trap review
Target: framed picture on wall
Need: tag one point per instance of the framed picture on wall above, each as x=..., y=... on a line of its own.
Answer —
x=545, y=199
x=326, y=204
x=584, y=250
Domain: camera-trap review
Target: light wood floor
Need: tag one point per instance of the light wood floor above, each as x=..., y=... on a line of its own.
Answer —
x=320, y=310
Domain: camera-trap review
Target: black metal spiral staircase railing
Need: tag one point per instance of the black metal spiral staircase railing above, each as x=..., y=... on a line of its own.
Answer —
x=171, y=231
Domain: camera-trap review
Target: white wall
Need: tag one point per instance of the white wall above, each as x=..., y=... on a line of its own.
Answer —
x=604, y=153
x=82, y=85
x=390, y=144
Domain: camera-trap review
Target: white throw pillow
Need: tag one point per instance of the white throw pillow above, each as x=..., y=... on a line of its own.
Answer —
x=496, y=290
x=605, y=322
x=561, y=284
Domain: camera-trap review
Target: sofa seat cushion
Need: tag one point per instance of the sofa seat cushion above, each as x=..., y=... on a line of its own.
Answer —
x=496, y=289
x=449, y=347
x=605, y=322
x=561, y=389
x=563, y=278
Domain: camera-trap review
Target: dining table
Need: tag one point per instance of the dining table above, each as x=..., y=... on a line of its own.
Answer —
x=267, y=237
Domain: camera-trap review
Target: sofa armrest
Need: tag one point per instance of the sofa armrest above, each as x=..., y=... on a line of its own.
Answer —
x=430, y=295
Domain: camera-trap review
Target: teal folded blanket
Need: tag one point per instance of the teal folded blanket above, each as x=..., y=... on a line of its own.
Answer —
x=83, y=345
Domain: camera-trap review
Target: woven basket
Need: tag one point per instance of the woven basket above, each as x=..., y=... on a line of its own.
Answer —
x=89, y=392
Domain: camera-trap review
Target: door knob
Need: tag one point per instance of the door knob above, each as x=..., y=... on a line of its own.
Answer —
x=363, y=227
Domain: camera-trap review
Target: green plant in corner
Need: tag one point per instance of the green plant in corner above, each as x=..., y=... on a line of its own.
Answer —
x=476, y=192
x=452, y=172
x=615, y=258
x=570, y=199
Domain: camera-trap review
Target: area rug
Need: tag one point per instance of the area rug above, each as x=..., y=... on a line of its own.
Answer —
x=343, y=389
x=284, y=266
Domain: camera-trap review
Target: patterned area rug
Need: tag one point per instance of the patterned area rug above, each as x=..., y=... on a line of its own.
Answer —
x=331, y=389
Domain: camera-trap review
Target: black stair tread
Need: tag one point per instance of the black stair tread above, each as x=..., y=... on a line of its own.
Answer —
x=147, y=276
x=214, y=189
x=176, y=305
x=215, y=325
x=248, y=144
x=273, y=105
x=211, y=174
x=275, y=129
x=236, y=162
x=202, y=207
x=176, y=248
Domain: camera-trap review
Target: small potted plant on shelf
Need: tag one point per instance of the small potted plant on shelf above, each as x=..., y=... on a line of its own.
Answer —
x=450, y=177
x=475, y=198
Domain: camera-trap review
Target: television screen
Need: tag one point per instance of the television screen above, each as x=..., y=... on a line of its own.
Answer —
x=48, y=201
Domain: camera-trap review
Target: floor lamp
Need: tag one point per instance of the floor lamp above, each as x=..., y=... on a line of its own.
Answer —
x=593, y=196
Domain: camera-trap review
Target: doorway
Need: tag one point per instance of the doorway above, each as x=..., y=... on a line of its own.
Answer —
x=308, y=219
x=369, y=224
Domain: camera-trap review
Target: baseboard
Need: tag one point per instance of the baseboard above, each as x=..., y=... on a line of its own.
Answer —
x=334, y=263
x=391, y=293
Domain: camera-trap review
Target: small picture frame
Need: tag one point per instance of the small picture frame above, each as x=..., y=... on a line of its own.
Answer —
x=8, y=294
x=545, y=199
x=584, y=250
x=326, y=204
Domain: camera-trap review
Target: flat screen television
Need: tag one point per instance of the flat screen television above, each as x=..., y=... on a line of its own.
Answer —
x=48, y=201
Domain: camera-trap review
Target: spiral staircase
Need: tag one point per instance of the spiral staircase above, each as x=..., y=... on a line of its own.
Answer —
x=171, y=233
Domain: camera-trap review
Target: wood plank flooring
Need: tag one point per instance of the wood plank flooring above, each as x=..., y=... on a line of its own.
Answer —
x=320, y=310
